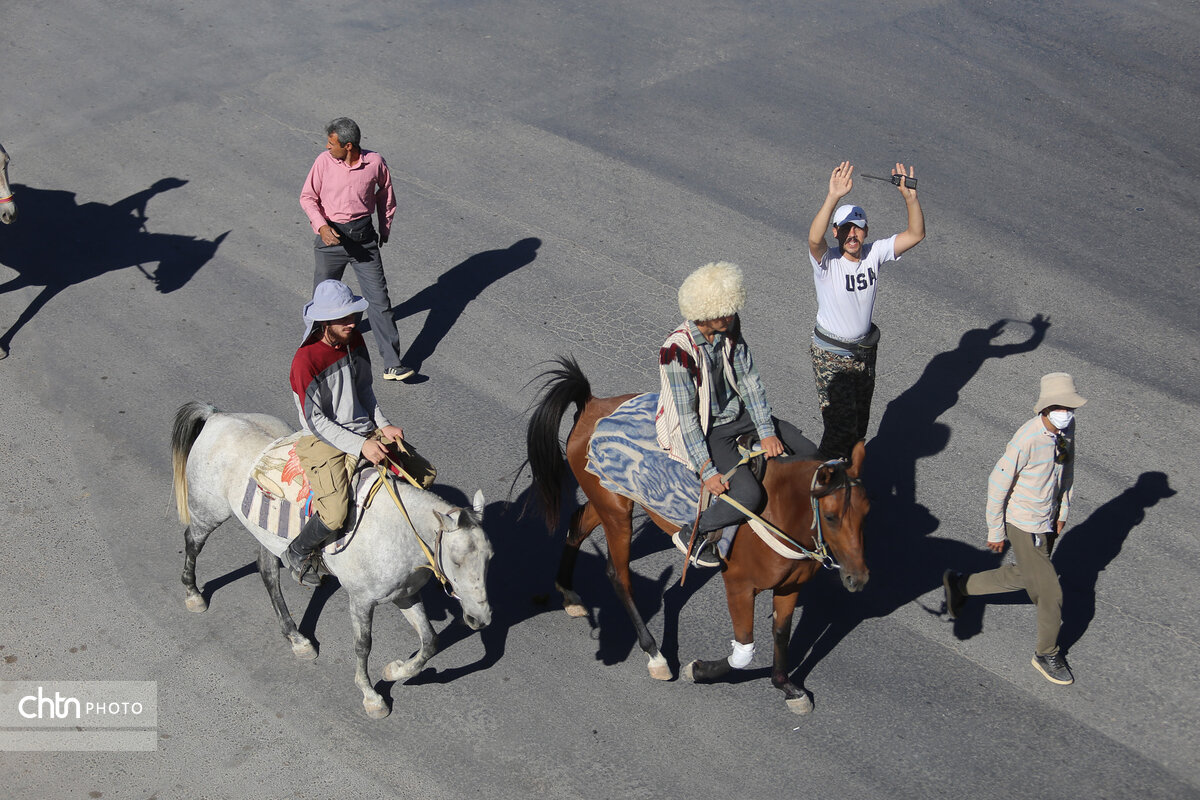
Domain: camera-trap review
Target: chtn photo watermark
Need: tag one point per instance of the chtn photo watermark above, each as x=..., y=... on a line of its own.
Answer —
x=78, y=715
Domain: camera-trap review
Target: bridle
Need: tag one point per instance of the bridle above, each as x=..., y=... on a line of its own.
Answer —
x=433, y=557
x=820, y=551
x=839, y=466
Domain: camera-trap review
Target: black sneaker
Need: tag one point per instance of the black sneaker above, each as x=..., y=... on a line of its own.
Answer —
x=952, y=586
x=1054, y=668
x=399, y=373
x=705, y=554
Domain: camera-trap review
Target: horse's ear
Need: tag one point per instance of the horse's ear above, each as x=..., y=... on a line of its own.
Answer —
x=856, y=458
x=823, y=478
x=477, y=502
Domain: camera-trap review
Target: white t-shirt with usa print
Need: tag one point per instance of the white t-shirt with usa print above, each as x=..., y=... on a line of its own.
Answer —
x=846, y=288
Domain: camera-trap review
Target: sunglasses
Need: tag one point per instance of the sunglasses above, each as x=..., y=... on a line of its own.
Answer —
x=1064, y=448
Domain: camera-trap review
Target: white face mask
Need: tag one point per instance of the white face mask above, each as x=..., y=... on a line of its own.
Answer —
x=1061, y=418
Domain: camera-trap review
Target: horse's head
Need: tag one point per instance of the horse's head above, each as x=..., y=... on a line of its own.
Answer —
x=465, y=554
x=842, y=505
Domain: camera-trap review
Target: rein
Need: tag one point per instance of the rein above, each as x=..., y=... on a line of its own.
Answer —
x=821, y=553
x=434, y=558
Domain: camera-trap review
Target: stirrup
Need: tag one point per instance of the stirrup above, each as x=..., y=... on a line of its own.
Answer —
x=302, y=573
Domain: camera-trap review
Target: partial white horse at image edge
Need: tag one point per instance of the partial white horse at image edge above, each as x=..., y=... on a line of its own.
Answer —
x=213, y=454
x=8, y=209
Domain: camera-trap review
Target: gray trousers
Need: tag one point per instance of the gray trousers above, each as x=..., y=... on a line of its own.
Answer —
x=368, y=269
x=743, y=486
x=1034, y=573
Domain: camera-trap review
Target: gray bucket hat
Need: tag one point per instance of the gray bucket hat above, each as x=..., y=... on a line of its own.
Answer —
x=331, y=300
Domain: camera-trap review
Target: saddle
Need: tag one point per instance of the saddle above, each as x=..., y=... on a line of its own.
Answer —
x=747, y=443
x=625, y=456
x=278, y=498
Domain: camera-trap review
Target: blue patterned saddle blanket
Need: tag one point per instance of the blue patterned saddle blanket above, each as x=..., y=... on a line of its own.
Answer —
x=624, y=454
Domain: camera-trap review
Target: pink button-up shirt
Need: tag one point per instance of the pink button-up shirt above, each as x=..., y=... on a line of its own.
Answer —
x=334, y=192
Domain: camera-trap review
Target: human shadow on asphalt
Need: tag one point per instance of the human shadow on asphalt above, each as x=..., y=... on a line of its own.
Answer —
x=60, y=243
x=906, y=561
x=448, y=297
x=1085, y=550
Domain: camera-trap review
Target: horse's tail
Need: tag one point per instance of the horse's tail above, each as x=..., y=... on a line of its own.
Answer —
x=565, y=385
x=189, y=421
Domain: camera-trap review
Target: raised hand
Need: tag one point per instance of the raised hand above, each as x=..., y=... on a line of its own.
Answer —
x=904, y=190
x=841, y=182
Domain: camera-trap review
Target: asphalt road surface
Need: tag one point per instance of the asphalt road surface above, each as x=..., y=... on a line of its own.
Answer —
x=160, y=256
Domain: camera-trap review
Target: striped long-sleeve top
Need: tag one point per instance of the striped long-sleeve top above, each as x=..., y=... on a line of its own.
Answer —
x=1027, y=488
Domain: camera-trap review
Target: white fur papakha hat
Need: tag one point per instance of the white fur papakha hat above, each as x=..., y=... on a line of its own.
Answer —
x=713, y=291
x=1058, y=389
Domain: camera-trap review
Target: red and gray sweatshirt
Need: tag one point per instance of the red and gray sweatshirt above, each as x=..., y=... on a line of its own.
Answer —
x=332, y=390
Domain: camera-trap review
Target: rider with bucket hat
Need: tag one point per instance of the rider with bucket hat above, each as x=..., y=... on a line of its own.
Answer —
x=711, y=395
x=331, y=384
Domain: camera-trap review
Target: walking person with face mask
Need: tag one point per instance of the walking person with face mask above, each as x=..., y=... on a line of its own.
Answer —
x=846, y=277
x=1029, y=496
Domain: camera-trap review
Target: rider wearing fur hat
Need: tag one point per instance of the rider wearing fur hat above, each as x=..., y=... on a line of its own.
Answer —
x=710, y=395
x=331, y=384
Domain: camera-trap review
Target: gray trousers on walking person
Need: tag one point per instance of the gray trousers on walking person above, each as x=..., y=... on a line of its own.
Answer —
x=368, y=269
x=1034, y=573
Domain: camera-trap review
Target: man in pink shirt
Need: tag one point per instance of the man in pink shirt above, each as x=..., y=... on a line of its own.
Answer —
x=344, y=188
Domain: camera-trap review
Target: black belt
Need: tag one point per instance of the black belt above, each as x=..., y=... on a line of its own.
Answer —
x=868, y=342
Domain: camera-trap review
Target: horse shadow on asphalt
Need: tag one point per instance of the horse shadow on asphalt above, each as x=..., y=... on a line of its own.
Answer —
x=61, y=243
x=448, y=297
x=908, y=562
x=521, y=585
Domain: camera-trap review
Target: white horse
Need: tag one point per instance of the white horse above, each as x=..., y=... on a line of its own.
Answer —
x=213, y=454
x=8, y=209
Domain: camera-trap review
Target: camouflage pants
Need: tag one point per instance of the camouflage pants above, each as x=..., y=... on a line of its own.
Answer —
x=845, y=386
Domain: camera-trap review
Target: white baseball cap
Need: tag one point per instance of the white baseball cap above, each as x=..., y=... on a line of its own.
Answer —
x=852, y=214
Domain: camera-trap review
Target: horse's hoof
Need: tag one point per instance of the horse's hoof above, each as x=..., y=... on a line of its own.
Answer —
x=688, y=673
x=575, y=610
x=376, y=709
x=304, y=650
x=196, y=604
x=400, y=670
x=659, y=670
x=800, y=705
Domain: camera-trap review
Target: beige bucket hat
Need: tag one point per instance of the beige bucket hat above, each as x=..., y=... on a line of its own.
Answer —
x=1058, y=389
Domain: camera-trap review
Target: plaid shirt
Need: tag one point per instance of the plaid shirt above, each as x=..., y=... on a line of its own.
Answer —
x=687, y=372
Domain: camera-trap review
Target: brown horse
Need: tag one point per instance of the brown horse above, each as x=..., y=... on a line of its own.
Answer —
x=795, y=489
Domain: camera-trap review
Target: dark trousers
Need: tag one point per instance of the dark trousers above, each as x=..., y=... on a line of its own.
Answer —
x=332, y=261
x=743, y=487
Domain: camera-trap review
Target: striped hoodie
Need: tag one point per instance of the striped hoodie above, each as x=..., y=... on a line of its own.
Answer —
x=1027, y=488
x=332, y=391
